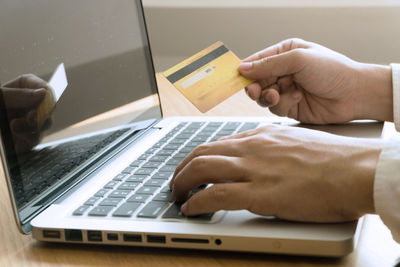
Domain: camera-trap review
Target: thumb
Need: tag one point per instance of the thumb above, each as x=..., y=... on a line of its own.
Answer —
x=283, y=64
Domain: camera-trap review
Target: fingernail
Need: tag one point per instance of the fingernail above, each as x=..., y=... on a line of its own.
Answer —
x=246, y=65
x=184, y=208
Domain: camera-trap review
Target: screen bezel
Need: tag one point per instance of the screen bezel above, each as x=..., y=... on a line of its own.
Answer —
x=25, y=227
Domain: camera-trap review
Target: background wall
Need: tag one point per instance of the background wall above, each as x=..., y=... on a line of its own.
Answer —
x=365, y=30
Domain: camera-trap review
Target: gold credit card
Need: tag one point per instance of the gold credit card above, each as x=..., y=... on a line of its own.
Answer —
x=208, y=77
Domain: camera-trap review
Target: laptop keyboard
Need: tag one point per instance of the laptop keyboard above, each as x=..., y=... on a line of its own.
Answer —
x=141, y=189
x=44, y=168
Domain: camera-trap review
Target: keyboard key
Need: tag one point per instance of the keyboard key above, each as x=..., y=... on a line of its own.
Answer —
x=120, y=177
x=101, y=192
x=91, y=201
x=165, y=153
x=177, y=141
x=111, y=184
x=173, y=212
x=158, y=158
x=155, y=183
x=184, y=136
x=79, y=211
x=163, y=197
x=151, y=150
x=165, y=189
x=231, y=125
x=162, y=175
x=136, y=163
x=119, y=194
x=144, y=156
x=144, y=171
x=152, y=210
x=214, y=124
x=110, y=202
x=151, y=164
x=100, y=211
x=173, y=162
x=126, y=209
x=129, y=170
x=172, y=147
x=138, y=198
x=128, y=186
x=196, y=124
x=136, y=178
x=167, y=168
x=186, y=149
x=146, y=190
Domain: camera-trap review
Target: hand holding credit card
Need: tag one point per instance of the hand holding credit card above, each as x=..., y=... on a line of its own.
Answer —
x=208, y=77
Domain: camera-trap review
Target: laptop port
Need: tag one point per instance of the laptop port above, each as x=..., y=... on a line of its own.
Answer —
x=51, y=234
x=132, y=238
x=73, y=235
x=156, y=239
x=112, y=237
x=94, y=236
x=190, y=240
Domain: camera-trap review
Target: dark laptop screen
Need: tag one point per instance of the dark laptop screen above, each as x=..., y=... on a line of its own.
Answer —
x=108, y=81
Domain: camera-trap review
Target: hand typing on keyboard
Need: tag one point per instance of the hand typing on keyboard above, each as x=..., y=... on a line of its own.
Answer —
x=288, y=172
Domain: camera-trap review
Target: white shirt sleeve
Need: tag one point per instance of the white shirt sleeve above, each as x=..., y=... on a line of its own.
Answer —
x=387, y=176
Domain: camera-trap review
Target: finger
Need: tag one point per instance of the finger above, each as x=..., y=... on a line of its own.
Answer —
x=222, y=148
x=233, y=196
x=30, y=81
x=269, y=97
x=275, y=66
x=17, y=98
x=254, y=90
x=278, y=48
x=287, y=102
x=205, y=170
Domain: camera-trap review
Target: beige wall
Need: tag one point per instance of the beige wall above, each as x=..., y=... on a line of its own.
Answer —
x=366, y=30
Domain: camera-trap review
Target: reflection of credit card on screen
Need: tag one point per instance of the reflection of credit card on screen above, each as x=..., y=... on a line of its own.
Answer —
x=208, y=77
x=56, y=86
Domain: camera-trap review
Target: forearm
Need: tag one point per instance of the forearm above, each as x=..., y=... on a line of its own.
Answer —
x=374, y=96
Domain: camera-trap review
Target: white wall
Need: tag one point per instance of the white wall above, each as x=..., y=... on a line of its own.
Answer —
x=366, y=30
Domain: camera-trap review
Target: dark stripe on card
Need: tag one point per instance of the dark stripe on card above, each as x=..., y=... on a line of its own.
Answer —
x=195, y=65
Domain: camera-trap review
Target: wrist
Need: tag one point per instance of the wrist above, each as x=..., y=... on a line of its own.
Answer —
x=374, y=96
x=365, y=167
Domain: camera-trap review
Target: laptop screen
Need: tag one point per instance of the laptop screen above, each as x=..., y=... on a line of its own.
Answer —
x=74, y=75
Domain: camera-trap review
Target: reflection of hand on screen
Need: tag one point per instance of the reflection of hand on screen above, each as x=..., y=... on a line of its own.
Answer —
x=21, y=98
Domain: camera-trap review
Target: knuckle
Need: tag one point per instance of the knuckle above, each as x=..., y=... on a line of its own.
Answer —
x=201, y=150
x=219, y=192
x=198, y=163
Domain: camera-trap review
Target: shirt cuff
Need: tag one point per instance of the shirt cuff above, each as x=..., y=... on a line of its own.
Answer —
x=387, y=186
x=396, y=94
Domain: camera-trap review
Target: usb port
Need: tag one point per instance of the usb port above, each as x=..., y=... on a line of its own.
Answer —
x=73, y=235
x=132, y=238
x=156, y=239
x=51, y=234
x=94, y=236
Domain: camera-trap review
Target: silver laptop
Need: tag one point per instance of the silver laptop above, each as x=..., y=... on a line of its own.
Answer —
x=100, y=172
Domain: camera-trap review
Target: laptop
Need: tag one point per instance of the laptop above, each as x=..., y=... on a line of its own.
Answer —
x=100, y=169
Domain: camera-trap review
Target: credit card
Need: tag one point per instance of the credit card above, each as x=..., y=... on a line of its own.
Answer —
x=208, y=77
x=56, y=86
